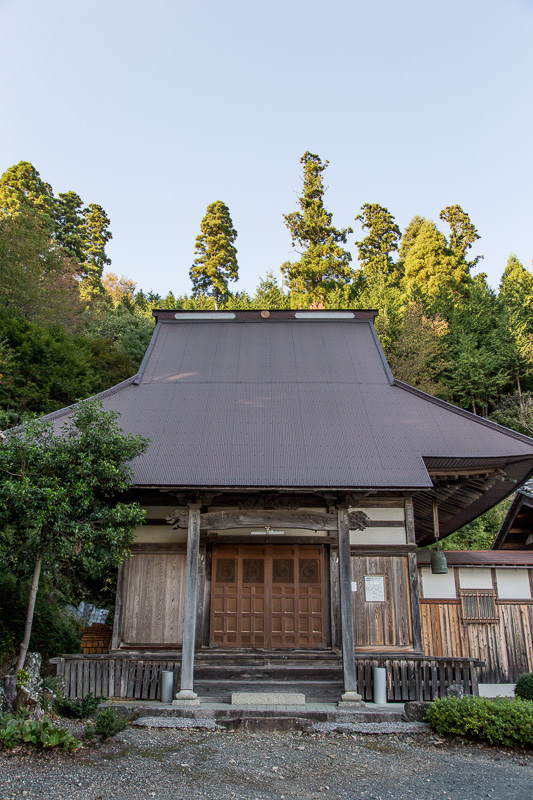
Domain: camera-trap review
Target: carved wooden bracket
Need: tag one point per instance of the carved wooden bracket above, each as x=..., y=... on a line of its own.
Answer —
x=308, y=520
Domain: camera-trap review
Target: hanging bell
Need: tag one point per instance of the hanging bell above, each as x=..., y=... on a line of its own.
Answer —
x=439, y=565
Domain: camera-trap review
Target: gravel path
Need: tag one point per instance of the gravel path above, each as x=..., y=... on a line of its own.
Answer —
x=176, y=764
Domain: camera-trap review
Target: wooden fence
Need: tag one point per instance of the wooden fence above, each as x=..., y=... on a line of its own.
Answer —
x=408, y=678
x=417, y=678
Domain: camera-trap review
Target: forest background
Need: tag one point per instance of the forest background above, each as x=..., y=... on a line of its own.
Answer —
x=70, y=327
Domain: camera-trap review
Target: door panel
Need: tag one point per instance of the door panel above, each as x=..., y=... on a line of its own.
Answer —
x=268, y=596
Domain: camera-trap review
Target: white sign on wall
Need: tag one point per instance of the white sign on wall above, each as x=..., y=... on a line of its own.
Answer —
x=354, y=586
x=374, y=588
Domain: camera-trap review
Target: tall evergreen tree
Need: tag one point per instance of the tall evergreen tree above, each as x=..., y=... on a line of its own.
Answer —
x=516, y=294
x=431, y=267
x=216, y=255
x=69, y=225
x=323, y=261
x=381, y=241
x=22, y=189
x=410, y=234
x=96, y=235
x=462, y=233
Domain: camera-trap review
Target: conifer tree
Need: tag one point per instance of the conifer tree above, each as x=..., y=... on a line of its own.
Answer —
x=431, y=267
x=323, y=261
x=216, y=255
x=69, y=225
x=382, y=240
x=462, y=233
x=96, y=235
x=22, y=189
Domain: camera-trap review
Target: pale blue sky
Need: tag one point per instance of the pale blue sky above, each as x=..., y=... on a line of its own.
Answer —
x=154, y=110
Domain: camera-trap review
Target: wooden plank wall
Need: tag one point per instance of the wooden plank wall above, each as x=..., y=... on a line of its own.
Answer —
x=153, y=599
x=505, y=646
x=385, y=624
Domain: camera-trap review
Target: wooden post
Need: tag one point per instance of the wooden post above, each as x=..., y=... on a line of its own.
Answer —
x=345, y=590
x=186, y=695
x=414, y=589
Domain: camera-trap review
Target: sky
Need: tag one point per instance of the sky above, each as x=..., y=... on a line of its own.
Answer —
x=154, y=110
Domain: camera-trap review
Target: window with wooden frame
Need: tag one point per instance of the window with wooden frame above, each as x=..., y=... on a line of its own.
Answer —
x=478, y=605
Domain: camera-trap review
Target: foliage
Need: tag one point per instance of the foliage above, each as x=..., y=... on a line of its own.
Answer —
x=430, y=266
x=15, y=730
x=375, y=250
x=419, y=354
x=22, y=189
x=58, y=494
x=501, y=721
x=23, y=678
x=51, y=692
x=480, y=347
x=46, y=367
x=216, y=255
x=524, y=686
x=462, y=234
x=69, y=232
x=515, y=411
x=107, y=724
x=53, y=631
x=78, y=709
x=323, y=261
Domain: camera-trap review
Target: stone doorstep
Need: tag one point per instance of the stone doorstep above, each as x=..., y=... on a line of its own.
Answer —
x=267, y=699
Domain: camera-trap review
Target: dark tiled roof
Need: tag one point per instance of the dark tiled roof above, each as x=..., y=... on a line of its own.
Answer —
x=288, y=402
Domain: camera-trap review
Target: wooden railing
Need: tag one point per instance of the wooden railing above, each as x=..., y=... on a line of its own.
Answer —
x=409, y=677
x=417, y=677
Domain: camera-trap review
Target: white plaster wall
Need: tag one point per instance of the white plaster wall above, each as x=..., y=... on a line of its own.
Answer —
x=513, y=584
x=379, y=536
x=475, y=578
x=163, y=534
x=438, y=586
x=387, y=514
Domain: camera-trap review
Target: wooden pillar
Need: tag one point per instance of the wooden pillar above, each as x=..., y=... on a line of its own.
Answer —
x=345, y=590
x=414, y=589
x=186, y=693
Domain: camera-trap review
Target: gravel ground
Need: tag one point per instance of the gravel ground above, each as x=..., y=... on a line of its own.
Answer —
x=177, y=764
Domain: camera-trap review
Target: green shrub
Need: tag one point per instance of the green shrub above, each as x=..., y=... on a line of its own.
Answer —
x=51, y=694
x=53, y=630
x=524, y=686
x=108, y=723
x=78, y=709
x=15, y=730
x=507, y=721
x=23, y=678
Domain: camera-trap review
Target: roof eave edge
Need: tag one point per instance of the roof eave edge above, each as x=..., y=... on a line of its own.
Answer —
x=463, y=413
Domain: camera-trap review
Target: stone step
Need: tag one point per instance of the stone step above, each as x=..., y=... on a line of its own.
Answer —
x=267, y=699
x=313, y=690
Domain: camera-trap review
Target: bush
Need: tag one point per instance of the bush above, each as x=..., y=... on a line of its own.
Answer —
x=16, y=729
x=524, y=686
x=108, y=723
x=504, y=721
x=78, y=709
x=53, y=630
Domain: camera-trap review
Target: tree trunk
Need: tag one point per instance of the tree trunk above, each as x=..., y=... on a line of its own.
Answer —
x=29, y=614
